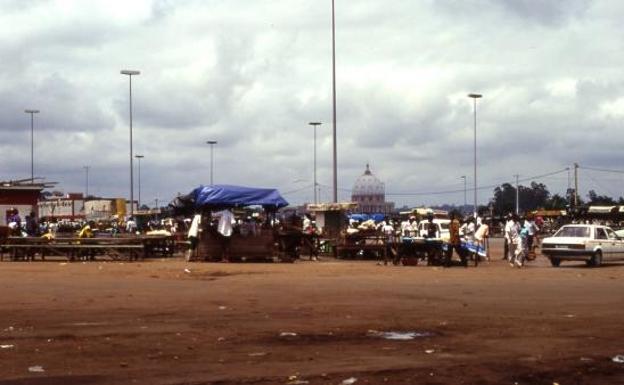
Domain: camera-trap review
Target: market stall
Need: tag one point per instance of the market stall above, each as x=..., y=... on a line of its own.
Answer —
x=220, y=236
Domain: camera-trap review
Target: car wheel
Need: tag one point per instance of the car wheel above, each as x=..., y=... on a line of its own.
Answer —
x=596, y=260
x=555, y=262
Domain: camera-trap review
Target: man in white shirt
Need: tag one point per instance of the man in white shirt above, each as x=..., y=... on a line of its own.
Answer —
x=409, y=227
x=131, y=225
x=532, y=230
x=512, y=234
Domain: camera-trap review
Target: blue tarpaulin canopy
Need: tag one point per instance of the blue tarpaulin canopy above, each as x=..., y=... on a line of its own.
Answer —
x=377, y=217
x=226, y=196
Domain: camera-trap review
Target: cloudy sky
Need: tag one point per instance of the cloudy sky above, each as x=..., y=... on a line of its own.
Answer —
x=252, y=74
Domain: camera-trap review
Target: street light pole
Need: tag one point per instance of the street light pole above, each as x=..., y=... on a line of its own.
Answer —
x=86, y=180
x=517, y=195
x=130, y=73
x=211, y=143
x=315, y=124
x=32, y=143
x=335, y=151
x=139, y=157
x=474, y=98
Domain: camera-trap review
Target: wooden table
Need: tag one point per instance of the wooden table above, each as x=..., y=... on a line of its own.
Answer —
x=72, y=248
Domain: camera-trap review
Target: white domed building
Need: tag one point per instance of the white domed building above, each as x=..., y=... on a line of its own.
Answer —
x=370, y=194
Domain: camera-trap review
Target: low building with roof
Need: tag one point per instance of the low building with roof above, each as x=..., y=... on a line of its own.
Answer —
x=21, y=195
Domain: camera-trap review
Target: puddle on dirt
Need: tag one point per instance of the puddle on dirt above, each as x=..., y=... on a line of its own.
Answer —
x=400, y=336
x=88, y=324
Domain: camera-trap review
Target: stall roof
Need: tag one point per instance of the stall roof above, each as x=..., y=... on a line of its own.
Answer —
x=228, y=196
x=602, y=209
x=344, y=206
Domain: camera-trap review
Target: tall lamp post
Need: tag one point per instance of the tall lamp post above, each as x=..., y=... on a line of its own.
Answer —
x=86, y=180
x=517, y=195
x=139, y=157
x=211, y=143
x=32, y=143
x=130, y=73
x=315, y=124
x=474, y=98
x=335, y=151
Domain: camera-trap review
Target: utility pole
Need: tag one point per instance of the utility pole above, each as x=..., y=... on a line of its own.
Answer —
x=576, y=166
x=517, y=195
x=335, y=151
x=87, y=180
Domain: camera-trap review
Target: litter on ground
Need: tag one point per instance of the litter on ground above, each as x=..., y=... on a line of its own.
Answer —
x=619, y=359
x=399, y=336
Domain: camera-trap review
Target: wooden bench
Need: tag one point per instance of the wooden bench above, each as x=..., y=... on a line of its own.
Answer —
x=351, y=245
x=72, y=248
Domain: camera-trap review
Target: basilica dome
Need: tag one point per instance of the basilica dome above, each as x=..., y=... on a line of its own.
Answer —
x=367, y=185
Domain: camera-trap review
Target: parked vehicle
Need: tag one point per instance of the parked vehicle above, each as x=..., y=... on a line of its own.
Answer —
x=442, y=233
x=590, y=243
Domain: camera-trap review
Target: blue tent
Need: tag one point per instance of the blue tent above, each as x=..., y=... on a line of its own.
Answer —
x=377, y=217
x=227, y=196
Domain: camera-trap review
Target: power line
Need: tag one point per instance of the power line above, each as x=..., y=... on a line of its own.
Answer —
x=602, y=169
x=488, y=187
x=297, y=190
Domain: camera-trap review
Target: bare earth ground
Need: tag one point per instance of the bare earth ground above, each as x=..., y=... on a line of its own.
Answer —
x=153, y=323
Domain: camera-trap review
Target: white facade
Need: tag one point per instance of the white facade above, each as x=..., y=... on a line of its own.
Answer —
x=370, y=194
x=61, y=208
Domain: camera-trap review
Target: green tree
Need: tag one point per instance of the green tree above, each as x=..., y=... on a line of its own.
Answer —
x=556, y=202
x=595, y=199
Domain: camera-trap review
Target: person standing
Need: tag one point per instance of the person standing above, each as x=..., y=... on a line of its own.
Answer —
x=532, y=230
x=522, y=248
x=481, y=238
x=32, y=226
x=131, y=225
x=454, y=242
x=389, y=237
x=512, y=230
x=431, y=228
x=506, y=236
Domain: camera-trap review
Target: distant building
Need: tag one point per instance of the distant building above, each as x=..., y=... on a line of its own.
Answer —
x=70, y=207
x=21, y=195
x=74, y=207
x=370, y=194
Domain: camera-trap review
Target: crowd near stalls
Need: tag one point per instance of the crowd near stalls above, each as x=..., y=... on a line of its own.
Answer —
x=237, y=223
x=419, y=234
x=33, y=238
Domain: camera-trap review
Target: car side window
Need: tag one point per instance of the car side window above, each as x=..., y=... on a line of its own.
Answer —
x=611, y=234
x=600, y=234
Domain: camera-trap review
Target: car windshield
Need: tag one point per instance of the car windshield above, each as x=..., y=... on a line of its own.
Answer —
x=573, y=231
x=444, y=226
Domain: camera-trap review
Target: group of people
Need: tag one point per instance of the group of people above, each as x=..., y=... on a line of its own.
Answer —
x=520, y=238
x=465, y=236
x=29, y=227
x=473, y=231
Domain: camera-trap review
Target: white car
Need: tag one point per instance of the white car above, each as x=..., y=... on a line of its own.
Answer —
x=589, y=243
x=443, y=231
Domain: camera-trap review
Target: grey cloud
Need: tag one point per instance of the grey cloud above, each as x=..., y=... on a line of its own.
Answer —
x=546, y=13
x=253, y=74
x=63, y=107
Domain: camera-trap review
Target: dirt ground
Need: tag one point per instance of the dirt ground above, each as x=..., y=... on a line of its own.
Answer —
x=312, y=323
